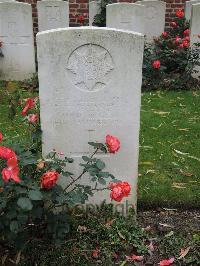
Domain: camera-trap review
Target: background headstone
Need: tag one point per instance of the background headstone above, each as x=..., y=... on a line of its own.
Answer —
x=188, y=8
x=52, y=14
x=16, y=33
x=126, y=16
x=154, y=18
x=195, y=30
x=90, y=86
x=94, y=9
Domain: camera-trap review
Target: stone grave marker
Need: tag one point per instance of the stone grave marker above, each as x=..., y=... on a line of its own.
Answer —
x=154, y=18
x=195, y=31
x=126, y=16
x=90, y=86
x=16, y=33
x=188, y=8
x=94, y=9
x=52, y=14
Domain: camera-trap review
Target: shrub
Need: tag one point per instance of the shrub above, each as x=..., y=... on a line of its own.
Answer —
x=100, y=19
x=177, y=60
x=33, y=205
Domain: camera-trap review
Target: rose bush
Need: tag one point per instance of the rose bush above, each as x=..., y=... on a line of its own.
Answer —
x=33, y=204
x=170, y=62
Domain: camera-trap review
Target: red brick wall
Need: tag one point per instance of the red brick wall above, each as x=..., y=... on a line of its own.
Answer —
x=80, y=7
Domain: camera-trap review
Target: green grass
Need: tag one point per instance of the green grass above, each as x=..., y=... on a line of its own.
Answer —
x=169, y=163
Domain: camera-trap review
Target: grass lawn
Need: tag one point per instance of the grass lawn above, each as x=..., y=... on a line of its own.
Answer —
x=169, y=160
x=169, y=164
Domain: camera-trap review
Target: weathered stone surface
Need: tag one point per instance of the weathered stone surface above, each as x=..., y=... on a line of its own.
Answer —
x=52, y=14
x=16, y=33
x=154, y=18
x=126, y=16
x=188, y=8
x=195, y=31
x=90, y=86
x=94, y=8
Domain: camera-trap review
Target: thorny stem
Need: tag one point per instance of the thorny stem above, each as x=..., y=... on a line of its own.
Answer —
x=84, y=171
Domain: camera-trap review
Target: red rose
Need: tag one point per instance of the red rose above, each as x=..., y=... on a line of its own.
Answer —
x=29, y=104
x=1, y=44
x=119, y=190
x=81, y=19
x=177, y=40
x=174, y=24
x=180, y=13
x=164, y=34
x=6, y=153
x=95, y=254
x=49, y=179
x=117, y=194
x=1, y=137
x=181, y=45
x=32, y=118
x=12, y=162
x=126, y=188
x=186, y=32
x=112, y=143
x=10, y=174
x=156, y=64
x=166, y=262
x=186, y=44
x=187, y=39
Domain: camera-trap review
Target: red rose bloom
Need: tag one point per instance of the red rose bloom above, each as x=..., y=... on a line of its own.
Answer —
x=156, y=64
x=81, y=19
x=12, y=162
x=181, y=45
x=174, y=24
x=166, y=262
x=32, y=118
x=177, y=40
x=6, y=153
x=187, y=38
x=186, y=32
x=49, y=179
x=180, y=13
x=186, y=44
x=112, y=143
x=119, y=190
x=10, y=174
x=164, y=34
x=29, y=104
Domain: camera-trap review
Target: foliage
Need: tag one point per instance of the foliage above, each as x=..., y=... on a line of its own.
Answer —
x=100, y=19
x=32, y=204
x=178, y=60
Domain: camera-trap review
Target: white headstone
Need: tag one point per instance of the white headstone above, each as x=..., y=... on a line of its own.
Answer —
x=16, y=33
x=52, y=14
x=188, y=8
x=94, y=9
x=195, y=30
x=126, y=16
x=90, y=86
x=154, y=18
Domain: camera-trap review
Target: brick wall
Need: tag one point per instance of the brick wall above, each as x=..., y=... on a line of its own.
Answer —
x=80, y=7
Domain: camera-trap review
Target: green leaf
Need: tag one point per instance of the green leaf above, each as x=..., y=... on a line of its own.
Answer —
x=35, y=195
x=102, y=181
x=25, y=204
x=14, y=227
x=67, y=173
x=86, y=158
x=100, y=164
